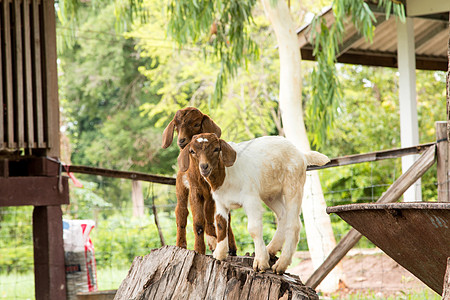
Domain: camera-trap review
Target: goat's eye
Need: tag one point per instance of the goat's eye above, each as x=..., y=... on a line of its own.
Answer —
x=197, y=125
x=217, y=150
x=191, y=151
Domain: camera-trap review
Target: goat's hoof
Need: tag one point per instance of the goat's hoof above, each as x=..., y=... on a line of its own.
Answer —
x=232, y=252
x=260, y=266
x=277, y=268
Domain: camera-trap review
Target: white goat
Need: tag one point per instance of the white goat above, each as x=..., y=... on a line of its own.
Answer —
x=270, y=169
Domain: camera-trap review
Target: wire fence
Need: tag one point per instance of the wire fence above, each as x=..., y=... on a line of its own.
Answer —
x=118, y=237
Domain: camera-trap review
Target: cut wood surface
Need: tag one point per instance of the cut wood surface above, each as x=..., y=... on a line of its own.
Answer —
x=175, y=273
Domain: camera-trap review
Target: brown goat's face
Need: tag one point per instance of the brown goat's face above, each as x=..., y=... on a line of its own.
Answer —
x=188, y=122
x=206, y=151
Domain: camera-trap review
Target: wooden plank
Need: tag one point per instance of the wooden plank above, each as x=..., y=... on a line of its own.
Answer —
x=49, y=268
x=120, y=174
x=9, y=76
x=37, y=71
x=443, y=184
x=393, y=193
x=28, y=76
x=51, y=79
x=2, y=127
x=33, y=190
x=18, y=80
x=372, y=156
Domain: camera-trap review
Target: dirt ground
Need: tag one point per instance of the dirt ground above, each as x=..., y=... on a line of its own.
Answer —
x=366, y=270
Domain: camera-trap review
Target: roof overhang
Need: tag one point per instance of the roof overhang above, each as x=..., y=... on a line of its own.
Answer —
x=431, y=34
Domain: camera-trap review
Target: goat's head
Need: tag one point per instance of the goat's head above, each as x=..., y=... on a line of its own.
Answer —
x=207, y=152
x=188, y=122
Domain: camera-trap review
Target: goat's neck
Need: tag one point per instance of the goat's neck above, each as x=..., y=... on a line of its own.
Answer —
x=217, y=177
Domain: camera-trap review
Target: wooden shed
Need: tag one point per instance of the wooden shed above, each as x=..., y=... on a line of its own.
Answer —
x=30, y=172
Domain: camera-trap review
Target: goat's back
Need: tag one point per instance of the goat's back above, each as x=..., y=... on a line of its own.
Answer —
x=266, y=165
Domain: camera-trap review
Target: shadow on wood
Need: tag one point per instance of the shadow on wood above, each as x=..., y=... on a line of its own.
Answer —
x=175, y=273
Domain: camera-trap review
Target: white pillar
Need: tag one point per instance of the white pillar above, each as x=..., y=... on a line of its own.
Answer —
x=409, y=126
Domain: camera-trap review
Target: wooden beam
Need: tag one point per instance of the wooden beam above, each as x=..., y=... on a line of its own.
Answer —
x=120, y=174
x=49, y=268
x=51, y=79
x=420, y=7
x=377, y=59
x=33, y=190
x=372, y=156
x=443, y=168
x=348, y=43
x=394, y=192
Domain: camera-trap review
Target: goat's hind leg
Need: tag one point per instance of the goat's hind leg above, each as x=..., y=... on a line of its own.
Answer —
x=181, y=211
x=275, y=245
x=253, y=209
x=291, y=232
x=232, y=248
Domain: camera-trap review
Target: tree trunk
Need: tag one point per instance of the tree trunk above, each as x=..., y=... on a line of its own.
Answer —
x=137, y=198
x=319, y=233
x=176, y=273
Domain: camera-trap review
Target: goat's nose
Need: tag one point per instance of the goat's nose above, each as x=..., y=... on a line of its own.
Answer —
x=181, y=141
x=204, y=166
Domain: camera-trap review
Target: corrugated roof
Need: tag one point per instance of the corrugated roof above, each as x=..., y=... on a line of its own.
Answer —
x=431, y=40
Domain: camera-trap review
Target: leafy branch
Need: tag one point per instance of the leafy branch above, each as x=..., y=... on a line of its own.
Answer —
x=326, y=90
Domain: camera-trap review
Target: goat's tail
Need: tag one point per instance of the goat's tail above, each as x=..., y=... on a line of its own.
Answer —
x=314, y=158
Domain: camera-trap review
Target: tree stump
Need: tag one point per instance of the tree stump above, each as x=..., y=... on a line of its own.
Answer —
x=175, y=273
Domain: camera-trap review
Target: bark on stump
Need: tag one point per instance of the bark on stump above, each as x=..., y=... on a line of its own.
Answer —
x=175, y=273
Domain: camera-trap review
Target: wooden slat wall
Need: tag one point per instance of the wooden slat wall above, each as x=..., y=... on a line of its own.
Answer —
x=29, y=109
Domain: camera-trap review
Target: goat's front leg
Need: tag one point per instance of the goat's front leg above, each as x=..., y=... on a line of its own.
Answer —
x=181, y=210
x=210, y=229
x=198, y=218
x=222, y=232
x=253, y=209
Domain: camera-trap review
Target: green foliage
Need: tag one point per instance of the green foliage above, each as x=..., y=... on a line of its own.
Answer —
x=326, y=92
x=221, y=24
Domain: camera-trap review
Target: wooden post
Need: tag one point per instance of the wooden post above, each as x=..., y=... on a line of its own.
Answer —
x=49, y=270
x=137, y=198
x=409, y=125
x=446, y=289
x=443, y=167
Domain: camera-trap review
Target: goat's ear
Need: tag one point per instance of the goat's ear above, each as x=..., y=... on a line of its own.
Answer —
x=228, y=154
x=168, y=135
x=208, y=126
x=183, y=159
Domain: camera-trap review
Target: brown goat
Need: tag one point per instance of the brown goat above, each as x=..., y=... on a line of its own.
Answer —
x=190, y=184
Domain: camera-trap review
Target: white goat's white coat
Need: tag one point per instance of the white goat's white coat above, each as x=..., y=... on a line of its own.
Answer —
x=273, y=170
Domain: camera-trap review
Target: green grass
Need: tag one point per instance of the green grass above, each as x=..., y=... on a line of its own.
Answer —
x=21, y=286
